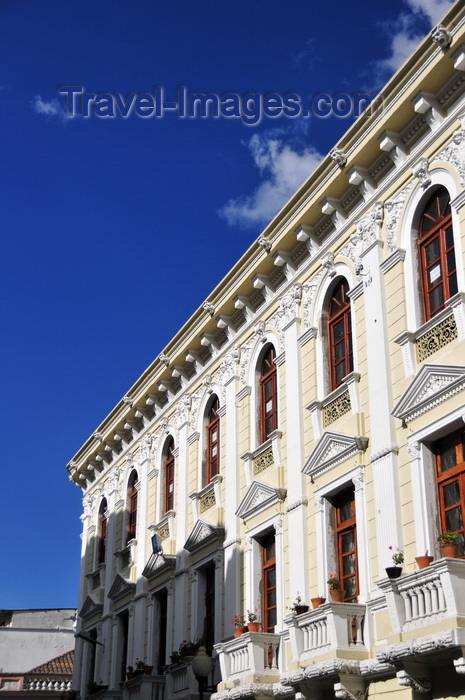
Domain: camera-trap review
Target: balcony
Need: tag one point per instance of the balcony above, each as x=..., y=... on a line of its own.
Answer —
x=142, y=687
x=325, y=632
x=425, y=599
x=251, y=658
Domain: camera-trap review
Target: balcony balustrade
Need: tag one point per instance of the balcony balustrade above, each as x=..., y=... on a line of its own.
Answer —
x=332, y=627
x=253, y=657
x=142, y=687
x=426, y=597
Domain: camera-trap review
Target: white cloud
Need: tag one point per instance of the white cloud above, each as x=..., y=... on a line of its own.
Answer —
x=409, y=30
x=49, y=109
x=283, y=169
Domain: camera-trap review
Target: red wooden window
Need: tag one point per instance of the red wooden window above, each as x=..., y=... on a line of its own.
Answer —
x=437, y=257
x=213, y=441
x=450, y=463
x=340, y=334
x=269, y=583
x=102, y=532
x=169, y=475
x=269, y=399
x=132, y=505
x=347, y=544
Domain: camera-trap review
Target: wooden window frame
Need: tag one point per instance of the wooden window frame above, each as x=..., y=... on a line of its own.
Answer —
x=268, y=419
x=268, y=565
x=169, y=475
x=335, y=317
x=439, y=230
x=213, y=427
x=448, y=476
x=343, y=527
x=132, y=508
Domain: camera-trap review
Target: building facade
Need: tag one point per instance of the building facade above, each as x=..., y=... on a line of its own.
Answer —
x=303, y=431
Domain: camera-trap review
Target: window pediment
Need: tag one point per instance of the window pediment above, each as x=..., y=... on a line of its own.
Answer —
x=120, y=588
x=259, y=496
x=432, y=385
x=332, y=449
x=203, y=534
x=90, y=608
x=157, y=564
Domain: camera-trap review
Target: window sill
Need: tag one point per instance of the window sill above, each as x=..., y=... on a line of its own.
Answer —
x=206, y=498
x=343, y=400
x=266, y=455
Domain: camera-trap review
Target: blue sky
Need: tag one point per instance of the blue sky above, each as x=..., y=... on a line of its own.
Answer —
x=115, y=230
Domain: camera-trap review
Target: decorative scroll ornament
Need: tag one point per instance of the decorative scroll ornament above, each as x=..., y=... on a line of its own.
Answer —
x=195, y=401
x=454, y=152
x=439, y=336
x=441, y=36
x=289, y=304
x=143, y=450
x=228, y=367
x=181, y=413
x=88, y=503
x=328, y=264
x=393, y=209
x=264, y=243
x=260, y=331
x=421, y=172
x=338, y=156
x=208, y=307
x=308, y=295
x=244, y=363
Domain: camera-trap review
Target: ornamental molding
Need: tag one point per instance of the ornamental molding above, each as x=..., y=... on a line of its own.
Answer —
x=297, y=504
x=289, y=305
x=367, y=232
x=420, y=171
x=181, y=412
x=228, y=367
x=339, y=157
x=259, y=497
x=333, y=449
x=454, y=152
x=420, y=645
x=393, y=208
x=120, y=588
x=90, y=608
x=314, y=671
x=244, y=362
x=202, y=535
x=433, y=385
x=441, y=36
x=195, y=401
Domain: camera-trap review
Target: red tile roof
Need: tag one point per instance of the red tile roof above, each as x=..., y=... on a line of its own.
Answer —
x=59, y=666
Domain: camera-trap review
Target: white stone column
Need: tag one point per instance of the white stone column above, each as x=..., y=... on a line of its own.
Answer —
x=382, y=434
x=182, y=502
x=358, y=481
x=297, y=503
x=150, y=612
x=79, y=655
x=170, y=644
x=232, y=552
x=131, y=625
x=279, y=550
x=114, y=670
x=195, y=602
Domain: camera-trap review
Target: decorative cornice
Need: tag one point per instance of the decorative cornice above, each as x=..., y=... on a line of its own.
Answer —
x=433, y=385
x=333, y=449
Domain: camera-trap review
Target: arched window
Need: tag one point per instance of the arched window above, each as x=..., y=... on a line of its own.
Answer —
x=213, y=440
x=436, y=249
x=340, y=334
x=132, y=507
x=268, y=395
x=102, y=532
x=168, y=471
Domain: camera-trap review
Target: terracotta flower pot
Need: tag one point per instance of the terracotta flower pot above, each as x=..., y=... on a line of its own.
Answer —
x=449, y=550
x=424, y=561
x=238, y=631
x=253, y=626
x=316, y=602
x=337, y=595
x=393, y=571
x=148, y=669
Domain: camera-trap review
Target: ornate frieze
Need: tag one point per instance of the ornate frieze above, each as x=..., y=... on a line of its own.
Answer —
x=263, y=461
x=308, y=295
x=207, y=501
x=336, y=409
x=228, y=368
x=421, y=172
x=435, y=339
x=181, y=412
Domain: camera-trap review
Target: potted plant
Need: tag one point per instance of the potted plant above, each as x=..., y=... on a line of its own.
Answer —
x=316, y=602
x=142, y=667
x=423, y=560
x=335, y=590
x=239, y=625
x=298, y=606
x=252, y=621
x=447, y=544
x=398, y=559
x=130, y=672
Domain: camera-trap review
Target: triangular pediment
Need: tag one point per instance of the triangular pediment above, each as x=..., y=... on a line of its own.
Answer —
x=157, y=564
x=90, y=608
x=333, y=449
x=432, y=385
x=202, y=535
x=258, y=497
x=120, y=588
